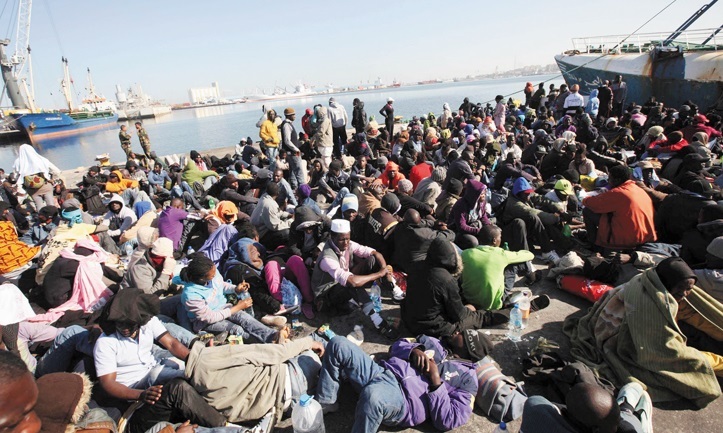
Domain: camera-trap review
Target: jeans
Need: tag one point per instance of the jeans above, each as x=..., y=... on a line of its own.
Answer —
x=73, y=340
x=188, y=198
x=271, y=153
x=303, y=371
x=178, y=332
x=339, y=197
x=512, y=271
x=297, y=177
x=44, y=196
x=381, y=400
x=200, y=429
x=173, y=307
x=209, y=181
x=179, y=402
x=539, y=411
x=246, y=326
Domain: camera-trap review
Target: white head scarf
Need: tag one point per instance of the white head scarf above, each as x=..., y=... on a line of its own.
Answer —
x=30, y=162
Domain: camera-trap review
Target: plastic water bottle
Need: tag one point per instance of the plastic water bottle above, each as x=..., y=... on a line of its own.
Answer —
x=501, y=428
x=244, y=295
x=211, y=203
x=356, y=336
x=128, y=250
x=190, y=251
x=307, y=416
x=506, y=246
x=515, y=325
x=376, y=295
x=524, y=304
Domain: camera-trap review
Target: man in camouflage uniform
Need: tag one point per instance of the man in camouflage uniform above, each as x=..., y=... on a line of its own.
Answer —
x=143, y=138
x=125, y=140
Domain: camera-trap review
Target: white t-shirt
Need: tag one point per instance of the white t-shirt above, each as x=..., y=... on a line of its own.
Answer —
x=129, y=358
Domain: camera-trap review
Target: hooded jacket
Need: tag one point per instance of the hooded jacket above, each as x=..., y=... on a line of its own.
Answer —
x=359, y=117
x=121, y=221
x=433, y=305
x=323, y=137
x=412, y=241
x=192, y=174
x=337, y=115
x=122, y=185
x=269, y=134
x=391, y=183
x=469, y=209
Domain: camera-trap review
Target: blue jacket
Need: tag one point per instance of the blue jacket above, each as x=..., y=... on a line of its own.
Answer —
x=447, y=407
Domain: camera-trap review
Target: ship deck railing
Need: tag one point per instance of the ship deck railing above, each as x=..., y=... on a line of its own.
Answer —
x=690, y=40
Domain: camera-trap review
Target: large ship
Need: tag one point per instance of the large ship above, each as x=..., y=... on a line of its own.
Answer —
x=674, y=67
x=95, y=113
x=135, y=104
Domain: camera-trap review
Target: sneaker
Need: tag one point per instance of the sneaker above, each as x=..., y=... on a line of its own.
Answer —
x=550, y=257
x=494, y=318
x=540, y=303
x=644, y=411
x=274, y=321
x=398, y=294
x=635, y=396
x=265, y=424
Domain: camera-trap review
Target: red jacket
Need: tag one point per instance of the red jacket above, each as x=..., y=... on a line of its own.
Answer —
x=627, y=219
x=690, y=130
x=419, y=172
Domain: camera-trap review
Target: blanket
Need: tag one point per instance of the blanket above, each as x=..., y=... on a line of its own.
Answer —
x=631, y=334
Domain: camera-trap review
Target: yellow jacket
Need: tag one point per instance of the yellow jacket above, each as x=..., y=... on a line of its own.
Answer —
x=269, y=133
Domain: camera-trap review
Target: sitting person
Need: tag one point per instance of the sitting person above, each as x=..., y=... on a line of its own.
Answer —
x=590, y=407
x=412, y=238
x=430, y=187
x=621, y=218
x=342, y=272
x=204, y=298
x=489, y=271
x=271, y=222
x=153, y=270
x=277, y=286
x=18, y=396
x=634, y=333
x=433, y=305
x=334, y=181
x=404, y=391
x=404, y=193
x=522, y=218
x=710, y=278
x=469, y=213
x=447, y=199
x=119, y=217
x=39, y=231
x=229, y=191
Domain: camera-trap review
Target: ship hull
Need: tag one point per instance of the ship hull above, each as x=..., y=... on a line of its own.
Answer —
x=695, y=76
x=45, y=126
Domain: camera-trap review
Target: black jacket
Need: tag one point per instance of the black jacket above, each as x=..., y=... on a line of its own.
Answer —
x=434, y=305
x=411, y=243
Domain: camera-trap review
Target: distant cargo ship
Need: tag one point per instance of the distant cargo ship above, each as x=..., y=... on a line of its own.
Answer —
x=685, y=65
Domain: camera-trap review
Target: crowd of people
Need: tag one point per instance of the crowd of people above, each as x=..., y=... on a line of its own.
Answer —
x=172, y=281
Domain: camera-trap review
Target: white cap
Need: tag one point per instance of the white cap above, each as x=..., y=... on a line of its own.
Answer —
x=390, y=99
x=340, y=226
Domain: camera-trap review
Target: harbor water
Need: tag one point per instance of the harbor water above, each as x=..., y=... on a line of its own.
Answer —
x=221, y=126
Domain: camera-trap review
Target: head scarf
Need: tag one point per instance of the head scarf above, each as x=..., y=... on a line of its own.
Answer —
x=129, y=305
x=141, y=208
x=701, y=137
x=239, y=251
x=30, y=162
x=146, y=236
x=72, y=215
x=225, y=208
x=304, y=191
x=673, y=270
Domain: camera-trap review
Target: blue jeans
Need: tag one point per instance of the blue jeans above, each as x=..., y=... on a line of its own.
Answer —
x=73, y=340
x=339, y=197
x=178, y=332
x=303, y=372
x=381, y=400
x=271, y=153
x=246, y=326
x=296, y=177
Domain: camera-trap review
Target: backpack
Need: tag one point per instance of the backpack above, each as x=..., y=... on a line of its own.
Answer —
x=499, y=397
x=34, y=181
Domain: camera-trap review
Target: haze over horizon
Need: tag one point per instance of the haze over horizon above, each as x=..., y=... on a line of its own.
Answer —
x=171, y=46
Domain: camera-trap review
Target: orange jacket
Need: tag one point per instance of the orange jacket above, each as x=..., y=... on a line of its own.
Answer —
x=627, y=219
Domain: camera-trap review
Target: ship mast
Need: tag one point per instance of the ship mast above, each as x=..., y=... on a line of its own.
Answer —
x=65, y=84
x=20, y=87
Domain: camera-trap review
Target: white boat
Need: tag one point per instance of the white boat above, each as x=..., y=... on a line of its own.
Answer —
x=135, y=104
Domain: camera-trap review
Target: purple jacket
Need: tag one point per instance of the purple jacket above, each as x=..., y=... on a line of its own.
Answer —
x=460, y=217
x=447, y=407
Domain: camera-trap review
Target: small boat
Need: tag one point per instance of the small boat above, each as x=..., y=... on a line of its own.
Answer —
x=674, y=67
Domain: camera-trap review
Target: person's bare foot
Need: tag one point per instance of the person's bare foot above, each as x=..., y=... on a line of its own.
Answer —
x=283, y=335
x=470, y=307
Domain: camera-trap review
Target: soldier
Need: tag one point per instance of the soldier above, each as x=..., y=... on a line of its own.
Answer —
x=125, y=140
x=143, y=138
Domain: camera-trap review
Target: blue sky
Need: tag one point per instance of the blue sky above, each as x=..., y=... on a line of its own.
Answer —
x=170, y=46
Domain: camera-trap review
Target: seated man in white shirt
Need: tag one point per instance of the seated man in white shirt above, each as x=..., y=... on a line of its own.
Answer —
x=128, y=370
